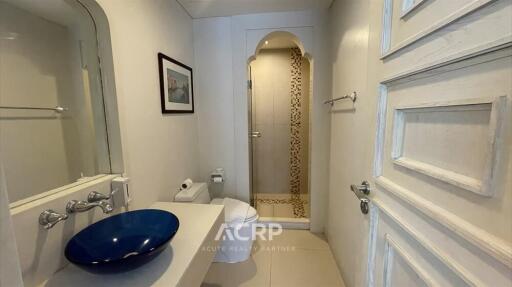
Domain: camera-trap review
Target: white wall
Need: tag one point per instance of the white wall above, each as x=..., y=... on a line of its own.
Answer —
x=159, y=151
x=226, y=41
x=213, y=84
x=351, y=142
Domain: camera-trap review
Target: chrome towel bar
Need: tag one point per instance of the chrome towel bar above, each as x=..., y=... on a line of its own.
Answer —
x=352, y=96
x=57, y=109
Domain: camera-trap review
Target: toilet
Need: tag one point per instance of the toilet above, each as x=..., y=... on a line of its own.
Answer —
x=240, y=219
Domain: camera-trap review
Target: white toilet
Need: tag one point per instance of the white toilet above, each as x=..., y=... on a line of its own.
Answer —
x=240, y=219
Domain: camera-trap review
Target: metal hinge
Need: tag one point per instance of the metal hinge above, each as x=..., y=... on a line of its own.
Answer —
x=249, y=84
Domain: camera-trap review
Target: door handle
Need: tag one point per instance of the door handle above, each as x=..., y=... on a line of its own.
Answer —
x=364, y=188
x=256, y=134
x=361, y=191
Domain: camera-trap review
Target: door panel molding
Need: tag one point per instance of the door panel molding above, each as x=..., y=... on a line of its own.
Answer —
x=457, y=269
x=478, y=54
x=388, y=50
x=453, y=59
x=409, y=6
x=382, y=103
x=482, y=186
x=372, y=245
x=493, y=246
x=392, y=249
x=385, y=41
x=451, y=177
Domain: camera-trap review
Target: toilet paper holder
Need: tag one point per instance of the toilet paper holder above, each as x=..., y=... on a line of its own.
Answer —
x=217, y=176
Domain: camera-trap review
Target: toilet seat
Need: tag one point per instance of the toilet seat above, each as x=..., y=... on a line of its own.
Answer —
x=239, y=219
x=250, y=216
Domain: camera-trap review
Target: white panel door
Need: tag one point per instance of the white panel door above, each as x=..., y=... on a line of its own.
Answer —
x=441, y=203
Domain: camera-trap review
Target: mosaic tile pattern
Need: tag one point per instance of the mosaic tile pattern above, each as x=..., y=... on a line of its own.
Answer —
x=295, y=121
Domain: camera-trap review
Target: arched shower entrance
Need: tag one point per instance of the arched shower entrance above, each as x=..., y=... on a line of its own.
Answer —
x=279, y=97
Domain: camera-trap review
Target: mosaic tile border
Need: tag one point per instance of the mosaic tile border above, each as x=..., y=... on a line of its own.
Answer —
x=295, y=120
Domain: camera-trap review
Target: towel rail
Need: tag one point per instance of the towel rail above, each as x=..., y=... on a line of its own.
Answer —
x=57, y=109
x=352, y=96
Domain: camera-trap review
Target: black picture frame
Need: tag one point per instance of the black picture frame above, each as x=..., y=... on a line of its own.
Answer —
x=164, y=96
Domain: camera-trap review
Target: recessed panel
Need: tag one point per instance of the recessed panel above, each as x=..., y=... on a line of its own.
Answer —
x=455, y=142
x=410, y=18
x=402, y=274
x=429, y=32
x=443, y=137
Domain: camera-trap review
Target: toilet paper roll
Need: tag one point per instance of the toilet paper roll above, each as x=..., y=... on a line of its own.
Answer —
x=187, y=184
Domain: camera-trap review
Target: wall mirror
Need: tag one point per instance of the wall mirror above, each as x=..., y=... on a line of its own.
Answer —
x=53, y=130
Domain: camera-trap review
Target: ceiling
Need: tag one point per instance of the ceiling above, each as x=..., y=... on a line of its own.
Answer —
x=278, y=41
x=217, y=8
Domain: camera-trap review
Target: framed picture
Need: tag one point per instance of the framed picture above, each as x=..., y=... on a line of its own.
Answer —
x=176, y=86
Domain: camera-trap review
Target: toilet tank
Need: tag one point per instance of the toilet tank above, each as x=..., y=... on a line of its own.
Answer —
x=197, y=193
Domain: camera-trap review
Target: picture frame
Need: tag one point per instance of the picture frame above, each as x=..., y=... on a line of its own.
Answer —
x=176, y=86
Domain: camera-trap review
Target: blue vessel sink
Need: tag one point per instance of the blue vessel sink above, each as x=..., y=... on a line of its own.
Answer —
x=122, y=242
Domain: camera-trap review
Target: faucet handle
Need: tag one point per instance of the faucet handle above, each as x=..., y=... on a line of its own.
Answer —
x=49, y=218
x=95, y=196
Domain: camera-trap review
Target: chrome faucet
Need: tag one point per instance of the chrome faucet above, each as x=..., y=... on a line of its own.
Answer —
x=49, y=218
x=95, y=196
x=81, y=206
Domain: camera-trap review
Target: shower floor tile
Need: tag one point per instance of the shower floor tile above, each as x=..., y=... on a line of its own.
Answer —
x=283, y=210
x=282, y=205
x=265, y=210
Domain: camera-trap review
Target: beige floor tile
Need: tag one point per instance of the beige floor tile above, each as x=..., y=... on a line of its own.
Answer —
x=295, y=258
x=300, y=239
x=254, y=272
x=301, y=268
x=283, y=210
x=265, y=209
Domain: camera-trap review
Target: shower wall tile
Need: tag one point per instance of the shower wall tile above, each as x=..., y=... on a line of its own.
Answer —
x=263, y=159
x=281, y=86
x=282, y=158
x=263, y=91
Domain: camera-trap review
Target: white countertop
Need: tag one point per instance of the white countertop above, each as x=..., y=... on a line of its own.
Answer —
x=184, y=263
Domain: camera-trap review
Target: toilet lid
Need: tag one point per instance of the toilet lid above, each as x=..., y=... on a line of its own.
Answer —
x=251, y=213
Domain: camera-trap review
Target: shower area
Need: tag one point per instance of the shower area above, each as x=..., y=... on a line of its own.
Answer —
x=279, y=113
